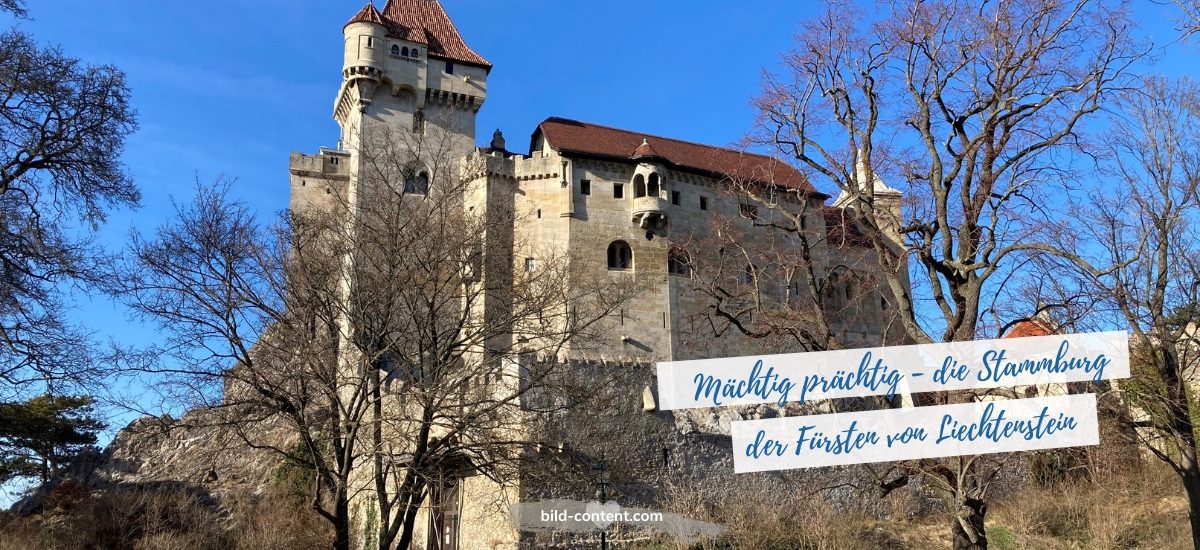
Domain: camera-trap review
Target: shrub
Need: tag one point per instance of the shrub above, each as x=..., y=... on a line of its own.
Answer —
x=165, y=517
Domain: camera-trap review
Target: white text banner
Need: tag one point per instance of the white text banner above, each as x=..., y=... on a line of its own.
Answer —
x=893, y=370
x=913, y=433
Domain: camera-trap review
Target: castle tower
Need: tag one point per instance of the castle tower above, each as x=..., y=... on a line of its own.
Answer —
x=407, y=74
x=410, y=79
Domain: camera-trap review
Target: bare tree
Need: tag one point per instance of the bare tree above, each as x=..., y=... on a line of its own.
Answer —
x=250, y=329
x=968, y=109
x=793, y=275
x=63, y=126
x=1189, y=21
x=15, y=7
x=1130, y=258
x=386, y=324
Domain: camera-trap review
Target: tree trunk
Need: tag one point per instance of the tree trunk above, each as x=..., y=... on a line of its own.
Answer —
x=1191, y=484
x=406, y=533
x=341, y=525
x=967, y=526
x=1183, y=429
x=1190, y=475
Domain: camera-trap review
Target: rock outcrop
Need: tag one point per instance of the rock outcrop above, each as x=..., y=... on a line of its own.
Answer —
x=197, y=449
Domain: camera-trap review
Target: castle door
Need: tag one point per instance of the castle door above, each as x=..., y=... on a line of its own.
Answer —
x=444, y=499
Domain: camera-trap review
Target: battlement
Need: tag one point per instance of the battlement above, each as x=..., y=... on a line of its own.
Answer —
x=518, y=167
x=327, y=164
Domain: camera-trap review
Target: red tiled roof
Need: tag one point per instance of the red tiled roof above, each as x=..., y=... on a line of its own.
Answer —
x=367, y=15
x=423, y=22
x=840, y=229
x=571, y=136
x=1029, y=327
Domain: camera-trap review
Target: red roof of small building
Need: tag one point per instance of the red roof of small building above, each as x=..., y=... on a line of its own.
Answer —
x=1029, y=327
x=423, y=22
x=572, y=136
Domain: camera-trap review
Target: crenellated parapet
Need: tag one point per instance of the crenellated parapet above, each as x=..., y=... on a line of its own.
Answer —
x=488, y=164
x=538, y=168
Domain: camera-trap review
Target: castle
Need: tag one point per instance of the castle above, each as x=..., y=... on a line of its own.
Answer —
x=612, y=202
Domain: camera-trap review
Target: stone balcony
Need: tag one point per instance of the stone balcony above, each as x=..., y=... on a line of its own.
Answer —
x=650, y=213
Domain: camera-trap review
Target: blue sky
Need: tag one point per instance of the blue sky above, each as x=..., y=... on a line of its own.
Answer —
x=232, y=86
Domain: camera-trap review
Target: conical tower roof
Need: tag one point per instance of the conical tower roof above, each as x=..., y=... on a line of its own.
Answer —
x=645, y=150
x=367, y=15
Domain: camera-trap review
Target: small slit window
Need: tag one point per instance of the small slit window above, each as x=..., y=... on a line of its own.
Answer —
x=620, y=256
x=675, y=198
x=418, y=125
x=704, y=203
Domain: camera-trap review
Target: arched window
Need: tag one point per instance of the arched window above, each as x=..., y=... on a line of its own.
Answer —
x=417, y=183
x=679, y=262
x=620, y=256
x=639, y=186
x=418, y=122
x=396, y=50
x=416, y=52
x=652, y=186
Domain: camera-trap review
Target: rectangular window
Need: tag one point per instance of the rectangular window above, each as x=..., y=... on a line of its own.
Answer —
x=748, y=211
x=704, y=203
x=529, y=265
x=449, y=68
x=370, y=42
x=585, y=187
x=618, y=191
x=675, y=198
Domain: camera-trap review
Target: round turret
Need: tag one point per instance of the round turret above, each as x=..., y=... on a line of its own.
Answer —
x=365, y=43
x=363, y=65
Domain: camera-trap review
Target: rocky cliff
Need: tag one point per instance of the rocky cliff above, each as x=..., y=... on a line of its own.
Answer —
x=196, y=449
